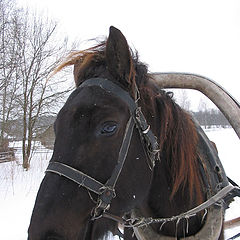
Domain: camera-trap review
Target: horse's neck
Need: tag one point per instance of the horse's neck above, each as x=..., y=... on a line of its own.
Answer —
x=160, y=204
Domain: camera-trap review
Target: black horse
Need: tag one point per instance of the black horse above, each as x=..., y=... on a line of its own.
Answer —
x=132, y=151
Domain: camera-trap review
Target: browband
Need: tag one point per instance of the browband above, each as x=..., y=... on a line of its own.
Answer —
x=111, y=88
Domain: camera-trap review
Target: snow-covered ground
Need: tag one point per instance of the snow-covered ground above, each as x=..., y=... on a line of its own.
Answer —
x=18, y=188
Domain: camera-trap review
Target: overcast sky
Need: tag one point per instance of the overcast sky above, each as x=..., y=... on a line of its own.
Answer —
x=196, y=36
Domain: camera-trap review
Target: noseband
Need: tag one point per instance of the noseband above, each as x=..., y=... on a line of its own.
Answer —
x=106, y=191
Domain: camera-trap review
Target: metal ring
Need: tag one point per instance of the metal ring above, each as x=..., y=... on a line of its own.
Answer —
x=146, y=130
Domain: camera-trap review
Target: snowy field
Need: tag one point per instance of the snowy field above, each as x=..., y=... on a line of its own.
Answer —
x=18, y=188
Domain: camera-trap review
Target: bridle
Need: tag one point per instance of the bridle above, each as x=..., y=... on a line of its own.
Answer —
x=106, y=191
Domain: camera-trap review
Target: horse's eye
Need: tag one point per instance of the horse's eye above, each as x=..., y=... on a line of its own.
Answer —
x=108, y=128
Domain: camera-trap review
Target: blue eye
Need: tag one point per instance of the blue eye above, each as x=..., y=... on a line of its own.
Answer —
x=108, y=128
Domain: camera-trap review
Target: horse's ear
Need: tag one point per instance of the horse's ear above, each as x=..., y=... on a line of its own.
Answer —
x=118, y=56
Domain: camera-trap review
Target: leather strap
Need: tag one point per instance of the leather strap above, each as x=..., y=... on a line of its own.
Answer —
x=215, y=199
x=76, y=176
x=113, y=89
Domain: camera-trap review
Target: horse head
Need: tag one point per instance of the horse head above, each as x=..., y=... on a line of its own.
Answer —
x=89, y=133
x=122, y=144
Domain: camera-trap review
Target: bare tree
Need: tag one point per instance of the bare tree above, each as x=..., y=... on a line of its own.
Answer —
x=8, y=64
x=29, y=51
x=181, y=96
x=39, y=93
x=202, y=108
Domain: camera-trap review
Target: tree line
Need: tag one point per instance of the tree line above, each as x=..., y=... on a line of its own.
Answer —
x=207, y=118
x=29, y=51
x=206, y=115
x=211, y=117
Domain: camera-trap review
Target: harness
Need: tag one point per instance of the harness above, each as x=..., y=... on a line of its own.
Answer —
x=106, y=191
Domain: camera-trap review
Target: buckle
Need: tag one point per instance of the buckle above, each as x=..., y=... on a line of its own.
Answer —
x=103, y=202
x=98, y=211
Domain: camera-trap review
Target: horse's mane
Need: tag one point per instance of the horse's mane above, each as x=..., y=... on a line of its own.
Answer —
x=176, y=131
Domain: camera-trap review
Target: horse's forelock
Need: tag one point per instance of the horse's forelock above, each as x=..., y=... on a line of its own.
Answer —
x=82, y=59
x=86, y=61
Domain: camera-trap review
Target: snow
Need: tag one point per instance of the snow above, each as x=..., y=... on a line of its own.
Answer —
x=229, y=151
x=18, y=188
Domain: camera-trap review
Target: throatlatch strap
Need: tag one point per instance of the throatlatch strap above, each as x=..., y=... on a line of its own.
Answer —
x=76, y=176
